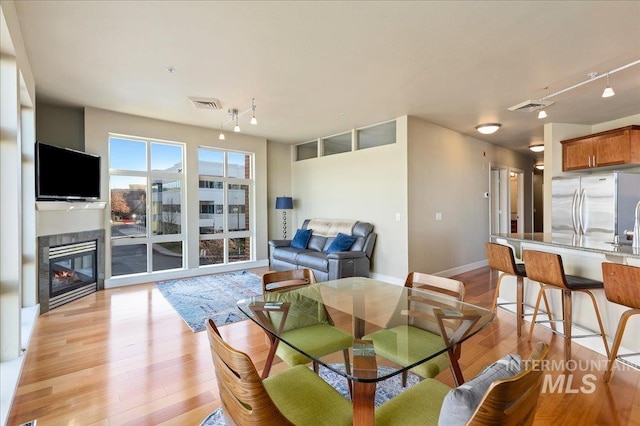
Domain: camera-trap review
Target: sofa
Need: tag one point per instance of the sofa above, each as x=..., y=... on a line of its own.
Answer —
x=319, y=253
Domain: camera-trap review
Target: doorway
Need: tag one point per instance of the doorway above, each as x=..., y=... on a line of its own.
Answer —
x=506, y=206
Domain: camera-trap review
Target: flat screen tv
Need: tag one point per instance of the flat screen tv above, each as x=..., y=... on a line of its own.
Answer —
x=63, y=174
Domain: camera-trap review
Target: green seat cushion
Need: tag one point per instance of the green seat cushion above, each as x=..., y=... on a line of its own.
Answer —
x=305, y=399
x=405, y=344
x=419, y=405
x=305, y=310
x=316, y=340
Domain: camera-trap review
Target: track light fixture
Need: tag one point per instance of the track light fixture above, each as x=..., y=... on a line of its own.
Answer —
x=234, y=116
x=608, y=91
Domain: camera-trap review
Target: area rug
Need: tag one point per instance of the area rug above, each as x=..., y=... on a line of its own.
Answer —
x=197, y=299
x=385, y=389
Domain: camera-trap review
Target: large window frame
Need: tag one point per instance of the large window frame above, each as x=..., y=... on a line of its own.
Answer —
x=230, y=213
x=147, y=231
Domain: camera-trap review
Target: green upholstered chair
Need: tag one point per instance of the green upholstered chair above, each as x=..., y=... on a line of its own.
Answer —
x=308, y=325
x=297, y=396
x=496, y=396
x=397, y=342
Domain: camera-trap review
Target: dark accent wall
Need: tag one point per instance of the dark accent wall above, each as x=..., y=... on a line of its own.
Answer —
x=60, y=125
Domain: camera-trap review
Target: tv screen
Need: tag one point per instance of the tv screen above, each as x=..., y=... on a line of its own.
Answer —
x=66, y=174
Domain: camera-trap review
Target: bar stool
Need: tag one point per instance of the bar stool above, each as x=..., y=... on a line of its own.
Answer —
x=501, y=259
x=621, y=286
x=547, y=269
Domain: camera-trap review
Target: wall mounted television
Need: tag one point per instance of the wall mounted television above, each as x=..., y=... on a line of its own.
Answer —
x=64, y=174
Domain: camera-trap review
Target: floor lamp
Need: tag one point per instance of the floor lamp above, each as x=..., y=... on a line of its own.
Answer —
x=284, y=204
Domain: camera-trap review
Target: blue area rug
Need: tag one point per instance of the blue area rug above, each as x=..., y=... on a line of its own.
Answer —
x=197, y=299
x=385, y=390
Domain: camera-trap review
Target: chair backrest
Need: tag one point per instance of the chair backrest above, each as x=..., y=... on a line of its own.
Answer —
x=245, y=401
x=287, y=280
x=513, y=401
x=621, y=284
x=501, y=258
x=545, y=267
x=443, y=285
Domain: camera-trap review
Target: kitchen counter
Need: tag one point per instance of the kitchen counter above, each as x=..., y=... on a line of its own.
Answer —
x=581, y=256
x=580, y=243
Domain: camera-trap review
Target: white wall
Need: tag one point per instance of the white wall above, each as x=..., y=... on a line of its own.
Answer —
x=279, y=185
x=368, y=185
x=449, y=174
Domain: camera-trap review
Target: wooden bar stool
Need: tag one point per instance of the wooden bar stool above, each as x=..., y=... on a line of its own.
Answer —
x=501, y=259
x=621, y=286
x=547, y=269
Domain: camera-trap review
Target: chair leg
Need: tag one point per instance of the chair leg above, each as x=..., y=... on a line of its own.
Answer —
x=519, y=304
x=546, y=306
x=602, y=333
x=405, y=375
x=347, y=368
x=497, y=293
x=316, y=367
x=535, y=310
x=566, y=317
x=616, y=341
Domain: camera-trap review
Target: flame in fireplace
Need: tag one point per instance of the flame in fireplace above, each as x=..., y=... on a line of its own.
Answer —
x=65, y=275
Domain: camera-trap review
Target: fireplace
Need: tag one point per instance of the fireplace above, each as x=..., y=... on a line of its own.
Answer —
x=70, y=267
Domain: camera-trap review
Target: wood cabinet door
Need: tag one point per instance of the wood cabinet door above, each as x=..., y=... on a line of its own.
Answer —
x=577, y=155
x=612, y=149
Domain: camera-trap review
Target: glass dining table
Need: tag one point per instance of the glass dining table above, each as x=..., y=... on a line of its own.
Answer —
x=362, y=306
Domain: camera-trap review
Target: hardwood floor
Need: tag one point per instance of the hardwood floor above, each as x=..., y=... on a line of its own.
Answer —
x=125, y=357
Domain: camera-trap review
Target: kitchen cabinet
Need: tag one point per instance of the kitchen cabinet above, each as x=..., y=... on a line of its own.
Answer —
x=618, y=147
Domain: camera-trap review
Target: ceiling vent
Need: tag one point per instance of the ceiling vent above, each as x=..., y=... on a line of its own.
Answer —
x=206, y=103
x=531, y=105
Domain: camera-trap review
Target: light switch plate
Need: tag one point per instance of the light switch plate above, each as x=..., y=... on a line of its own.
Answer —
x=438, y=216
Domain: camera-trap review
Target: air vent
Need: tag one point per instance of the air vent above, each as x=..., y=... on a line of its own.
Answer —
x=531, y=105
x=206, y=103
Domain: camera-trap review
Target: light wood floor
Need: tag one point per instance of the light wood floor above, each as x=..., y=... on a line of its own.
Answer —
x=124, y=357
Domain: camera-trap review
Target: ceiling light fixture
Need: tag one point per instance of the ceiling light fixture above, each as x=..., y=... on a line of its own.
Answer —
x=539, y=166
x=542, y=114
x=488, y=128
x=235, y=114
x=253, y=110
x=537, y=148
x=608, y=91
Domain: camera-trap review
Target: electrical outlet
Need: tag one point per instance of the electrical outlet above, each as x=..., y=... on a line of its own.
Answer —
x=438, y=216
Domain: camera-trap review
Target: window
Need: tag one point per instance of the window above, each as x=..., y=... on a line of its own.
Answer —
x=336, y=144
x=378, y=135
x=226, y=198
x=307, y=150
x=146, y=180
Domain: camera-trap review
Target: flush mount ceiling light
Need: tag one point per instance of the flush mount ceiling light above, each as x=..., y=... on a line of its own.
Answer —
x=537, y=148
x=488, y=128
x=539, y=166
x=608, y=91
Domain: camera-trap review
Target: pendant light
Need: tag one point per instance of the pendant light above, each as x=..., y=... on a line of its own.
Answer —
x=253, y=110
x=608, y=91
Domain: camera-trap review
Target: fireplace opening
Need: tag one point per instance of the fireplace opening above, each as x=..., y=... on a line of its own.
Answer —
x=72, y=272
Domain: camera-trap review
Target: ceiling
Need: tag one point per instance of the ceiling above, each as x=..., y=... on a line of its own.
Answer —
x=320, y=68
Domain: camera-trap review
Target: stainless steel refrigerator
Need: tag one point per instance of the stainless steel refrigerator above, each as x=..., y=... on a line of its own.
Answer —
x=596, y=205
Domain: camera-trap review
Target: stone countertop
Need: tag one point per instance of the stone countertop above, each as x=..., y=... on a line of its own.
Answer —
x=582, y=243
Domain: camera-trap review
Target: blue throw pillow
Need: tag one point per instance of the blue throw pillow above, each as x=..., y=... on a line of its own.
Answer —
x=342, y=242
x=301, y=239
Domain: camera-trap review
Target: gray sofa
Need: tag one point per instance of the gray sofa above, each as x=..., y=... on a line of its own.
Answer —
x=355, y=262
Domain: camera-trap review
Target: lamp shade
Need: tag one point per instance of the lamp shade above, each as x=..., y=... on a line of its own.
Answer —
x=284, y=203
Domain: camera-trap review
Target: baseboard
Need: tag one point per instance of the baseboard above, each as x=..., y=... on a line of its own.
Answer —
x=461, y=269
x=182, y=273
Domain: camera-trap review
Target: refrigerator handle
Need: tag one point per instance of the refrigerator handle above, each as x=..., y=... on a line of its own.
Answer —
x=574, y=206
x=580, y=213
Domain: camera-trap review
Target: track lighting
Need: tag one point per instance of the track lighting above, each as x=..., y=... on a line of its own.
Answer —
x=542, y=114
x=235, y=115
x=488, y=128
x=608, y=91
x=253, y=110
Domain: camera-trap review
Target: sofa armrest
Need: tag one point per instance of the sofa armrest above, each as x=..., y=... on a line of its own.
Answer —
x=339, y=255
x=279, y=243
